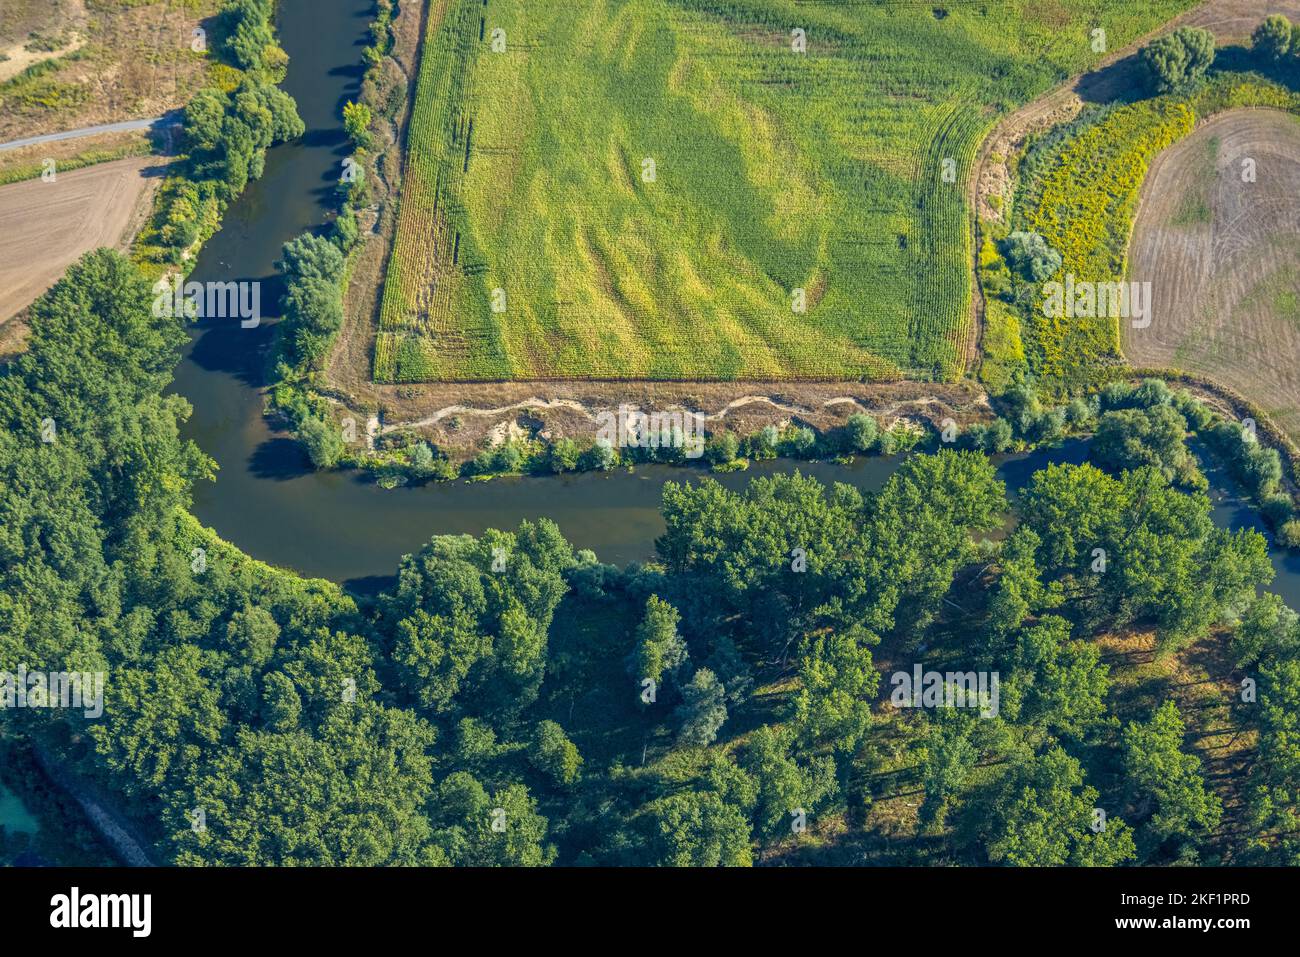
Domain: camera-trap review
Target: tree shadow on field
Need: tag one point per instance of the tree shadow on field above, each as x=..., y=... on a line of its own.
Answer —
x=1123, y=81
x=1240, y=60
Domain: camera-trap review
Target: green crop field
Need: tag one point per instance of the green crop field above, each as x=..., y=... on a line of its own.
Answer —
x=647, y=188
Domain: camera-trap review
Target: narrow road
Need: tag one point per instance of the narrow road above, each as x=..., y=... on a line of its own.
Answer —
x=107, y=821
x=85, y=131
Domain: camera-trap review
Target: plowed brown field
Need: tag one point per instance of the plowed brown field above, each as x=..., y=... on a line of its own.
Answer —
x=1223, y=258
x=45, y=227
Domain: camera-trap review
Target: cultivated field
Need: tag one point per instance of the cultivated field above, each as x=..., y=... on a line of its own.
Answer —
x=45, y=227
x=1223, y=257
x=644, y=190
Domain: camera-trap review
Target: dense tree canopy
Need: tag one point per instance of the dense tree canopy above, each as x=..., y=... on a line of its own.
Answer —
x=490, y=707
x=1166, y=782
x=1031, y=256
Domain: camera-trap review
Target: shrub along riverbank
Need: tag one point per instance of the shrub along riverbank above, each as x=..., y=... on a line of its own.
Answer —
x=226, y=129
x=317, y=265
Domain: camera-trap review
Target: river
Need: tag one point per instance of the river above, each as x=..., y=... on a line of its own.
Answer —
x=14, y=815
x=341, y=526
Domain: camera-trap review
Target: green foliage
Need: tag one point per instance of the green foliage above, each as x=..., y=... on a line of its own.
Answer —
x=323, y=442
x=861, y=432
x=358, y=786
x=992, y=438
x=356, y=122
x=313, y=268
x=837, y=682
x=424, y=726
x=703, y=710
x=562, y=456
x=470, y=618
x=799, y=442
x=281, y=703
x=696, y=828
x=1020, y=592
x=1155, y=436
x=1268, y=630
x=659, y=649
x=1288, y=533
x=1031, y=256
x=247, y=34
x=1161, y=557
x=1177, y=59
x=1055, y=682
x=226, y=136
x=1165, y=781
x=1043, y=817
x=784, y=785
x=1274, y=799
x=949, y=756
x=475, y=829
x=1272, y=38
x=159, y=721
x=784, y=556
x=554, y=754
x=1029, y=418
x=722, y=448
x=1255, y=465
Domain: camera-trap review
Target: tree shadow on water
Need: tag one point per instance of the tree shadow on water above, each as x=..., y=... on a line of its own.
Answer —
x=224, y=345
x=280, y=459
x=369, y=586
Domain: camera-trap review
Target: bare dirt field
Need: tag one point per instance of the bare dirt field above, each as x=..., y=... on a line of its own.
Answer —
x=463, y=416
x=1223, y=259
x=45, y=227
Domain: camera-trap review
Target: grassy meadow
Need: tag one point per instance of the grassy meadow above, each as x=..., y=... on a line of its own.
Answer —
x=535, y=240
